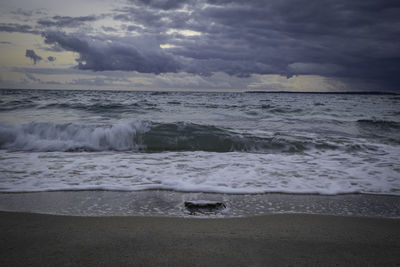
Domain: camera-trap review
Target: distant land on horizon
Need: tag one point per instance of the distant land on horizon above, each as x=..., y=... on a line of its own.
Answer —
x=330, y=93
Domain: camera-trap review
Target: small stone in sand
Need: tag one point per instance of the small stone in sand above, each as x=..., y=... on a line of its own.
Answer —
x=204, y=206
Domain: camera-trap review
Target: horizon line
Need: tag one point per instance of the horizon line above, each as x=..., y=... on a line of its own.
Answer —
x=219, y=91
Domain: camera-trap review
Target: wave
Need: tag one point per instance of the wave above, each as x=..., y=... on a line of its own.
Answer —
x=139, y=106
x=95, y=106
x=145, y=136
x=92, y=107
x=17, y=104
x=100, y=107
x=382, y=124
x=280, y=109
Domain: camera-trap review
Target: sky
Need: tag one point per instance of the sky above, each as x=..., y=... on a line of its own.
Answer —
x=211, y=45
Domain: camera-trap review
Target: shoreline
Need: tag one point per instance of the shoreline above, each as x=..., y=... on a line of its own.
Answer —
x=171, y=204
x=275, y=240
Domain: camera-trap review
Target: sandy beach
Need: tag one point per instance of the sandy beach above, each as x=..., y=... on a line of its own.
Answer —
x=272, y=240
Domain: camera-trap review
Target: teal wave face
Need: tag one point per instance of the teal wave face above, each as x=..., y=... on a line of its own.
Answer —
x=146, y=136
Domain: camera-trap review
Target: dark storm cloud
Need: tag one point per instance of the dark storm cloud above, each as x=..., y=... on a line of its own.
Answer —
x=66, y=21
x=346, y=39
x=119, y=53
x=32, y=55
x=313, y=36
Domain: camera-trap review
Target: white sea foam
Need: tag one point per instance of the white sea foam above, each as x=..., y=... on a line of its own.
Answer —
x=71, y=136
x=329, y=172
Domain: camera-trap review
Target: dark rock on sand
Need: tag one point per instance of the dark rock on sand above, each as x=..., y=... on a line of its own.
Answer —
x=204, y=206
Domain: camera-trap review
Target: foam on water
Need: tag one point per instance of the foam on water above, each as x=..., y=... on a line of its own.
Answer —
x=320, y=172
x=199, y=142
x=69, y=137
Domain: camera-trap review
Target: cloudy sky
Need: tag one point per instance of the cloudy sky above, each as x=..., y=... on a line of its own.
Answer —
x=296, y=45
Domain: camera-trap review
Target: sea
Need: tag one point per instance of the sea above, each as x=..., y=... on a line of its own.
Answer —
x=100, y=153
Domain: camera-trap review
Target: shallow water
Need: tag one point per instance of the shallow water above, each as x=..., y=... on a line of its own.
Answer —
x=171, y=203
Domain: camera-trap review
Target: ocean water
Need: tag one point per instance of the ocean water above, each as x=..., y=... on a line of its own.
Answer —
x=206, y=142
x=226, y=143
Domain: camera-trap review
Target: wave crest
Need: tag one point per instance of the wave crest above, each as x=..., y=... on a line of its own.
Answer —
x=69, y=137
x=145, y=136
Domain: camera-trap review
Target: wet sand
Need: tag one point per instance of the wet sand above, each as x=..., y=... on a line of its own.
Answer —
x=271, y=240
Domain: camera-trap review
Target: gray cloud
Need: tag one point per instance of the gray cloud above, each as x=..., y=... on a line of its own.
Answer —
x=29, y=13
x=66, y=21
x=48, y=71
x=32, y=77
x=356, y=40
x=15, y=27
x=85, y=79
x=160, y=4
x=314, y=68
x=119, y=53
x=109, y=29
x=32, y=55
x=347, y=39
x=20, y=11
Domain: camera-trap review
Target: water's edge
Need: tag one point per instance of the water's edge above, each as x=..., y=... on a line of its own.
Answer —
x=171, y=204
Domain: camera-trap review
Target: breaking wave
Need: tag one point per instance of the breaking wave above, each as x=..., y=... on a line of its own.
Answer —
x=146, y=136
